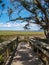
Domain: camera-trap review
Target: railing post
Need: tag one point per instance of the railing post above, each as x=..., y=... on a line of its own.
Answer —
x=7, y=52
x=13, y=44
x=37, y=51
x=17, y=41
x=47, y=62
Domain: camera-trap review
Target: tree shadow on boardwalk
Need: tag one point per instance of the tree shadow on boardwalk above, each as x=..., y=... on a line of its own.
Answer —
x=26, y=57
x=27, y=60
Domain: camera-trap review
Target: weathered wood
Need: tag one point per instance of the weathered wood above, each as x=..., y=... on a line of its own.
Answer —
x=44, y=53
x=7, y=47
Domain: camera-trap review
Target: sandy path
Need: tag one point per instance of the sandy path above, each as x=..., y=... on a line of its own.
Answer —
x=25, y=56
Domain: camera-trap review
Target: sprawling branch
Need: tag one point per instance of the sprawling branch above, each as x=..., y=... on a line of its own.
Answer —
x=42, y=9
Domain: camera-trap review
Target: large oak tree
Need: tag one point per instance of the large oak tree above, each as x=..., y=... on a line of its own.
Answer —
x=39, y=10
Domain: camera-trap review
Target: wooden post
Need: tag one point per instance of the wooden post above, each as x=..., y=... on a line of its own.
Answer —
x=17, y=41
x=7, y=53
x=37, y=51
x=47, y=62
x=15, y=44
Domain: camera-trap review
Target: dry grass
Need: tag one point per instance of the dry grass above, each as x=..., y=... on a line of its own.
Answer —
x=19, y=33
x=6, y=35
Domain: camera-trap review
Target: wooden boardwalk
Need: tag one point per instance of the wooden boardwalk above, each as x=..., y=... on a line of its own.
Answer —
x=25, y=56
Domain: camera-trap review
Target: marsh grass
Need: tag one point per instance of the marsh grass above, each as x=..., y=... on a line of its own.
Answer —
x=6, y=35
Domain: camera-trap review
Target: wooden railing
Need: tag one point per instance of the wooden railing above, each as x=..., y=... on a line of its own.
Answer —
x=42, y=50
x=6, y=49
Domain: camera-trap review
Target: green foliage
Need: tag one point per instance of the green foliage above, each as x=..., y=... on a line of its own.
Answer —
x=1, y=58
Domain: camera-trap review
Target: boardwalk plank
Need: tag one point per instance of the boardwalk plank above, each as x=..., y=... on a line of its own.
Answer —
x=25, y=56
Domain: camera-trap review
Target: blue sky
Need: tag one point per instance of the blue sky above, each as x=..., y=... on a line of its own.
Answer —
x=15, y=25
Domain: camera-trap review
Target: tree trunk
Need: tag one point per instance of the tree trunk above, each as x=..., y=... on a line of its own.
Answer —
x=48, y=37
x=46, y=32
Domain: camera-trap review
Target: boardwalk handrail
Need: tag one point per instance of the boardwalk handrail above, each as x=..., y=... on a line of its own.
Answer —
x=6, y=49
x=44, y=48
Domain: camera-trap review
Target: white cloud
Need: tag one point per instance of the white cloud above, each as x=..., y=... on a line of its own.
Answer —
x=17, y=26
x=9, y=24
x=5, y=25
